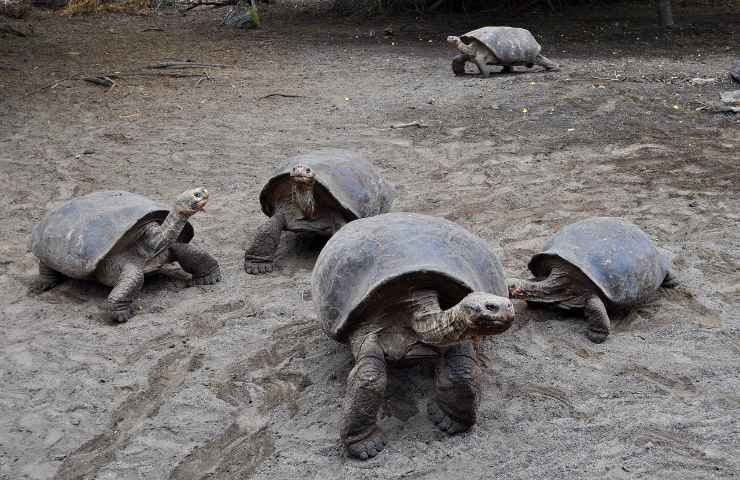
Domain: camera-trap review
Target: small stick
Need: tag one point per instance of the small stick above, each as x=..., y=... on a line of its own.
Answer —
x=209, y=4
x=285, y=95
x=410, y=124
x=163, y=65
x=102, y=80
x=51, y=85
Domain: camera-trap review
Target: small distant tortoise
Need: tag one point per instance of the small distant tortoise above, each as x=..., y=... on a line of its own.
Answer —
x=115, y=238
x=597, y=264
x=402, y=287
x=316, y=193
x=505, y=46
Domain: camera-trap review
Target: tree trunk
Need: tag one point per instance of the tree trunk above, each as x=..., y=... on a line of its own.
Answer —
x=665, y=13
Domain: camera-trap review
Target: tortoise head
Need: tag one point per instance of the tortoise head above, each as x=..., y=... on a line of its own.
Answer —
x=302, y=174
x=486, y=314
x=454, y=41
x=192, y=201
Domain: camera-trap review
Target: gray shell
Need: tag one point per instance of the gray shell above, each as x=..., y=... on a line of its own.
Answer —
x=367, y=255
x=615, y=255
x=735, y=71
x=75, y=237
x=509, y=44
x=349, y=178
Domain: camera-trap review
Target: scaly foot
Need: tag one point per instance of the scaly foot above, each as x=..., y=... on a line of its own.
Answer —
x=208, y=279
x=257, y=268
x=40, y=286
x=445, y=422
x=597, y=336
x=369, y=446
x=121, y=315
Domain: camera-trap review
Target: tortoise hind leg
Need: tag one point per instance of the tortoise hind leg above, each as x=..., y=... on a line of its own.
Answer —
x=366, y=386
x=599, y=324
x=197, y=262
x=483, y=68
x=259, y=256
x=121, y=297
x=457, y=384
x=547, y=63
x=48, y=278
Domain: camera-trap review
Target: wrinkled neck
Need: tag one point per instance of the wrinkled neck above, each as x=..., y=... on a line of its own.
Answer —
x=160, y=237
x=560, y=284
x=434, y=325
x=303, y=197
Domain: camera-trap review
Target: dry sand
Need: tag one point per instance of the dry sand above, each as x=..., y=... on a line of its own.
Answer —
x=236, y=380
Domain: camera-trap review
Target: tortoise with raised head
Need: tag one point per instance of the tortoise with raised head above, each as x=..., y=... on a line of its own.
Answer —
x=596, y=265
x=316, y=193
x=117, y=237
x=504, y=46
x=401, y=287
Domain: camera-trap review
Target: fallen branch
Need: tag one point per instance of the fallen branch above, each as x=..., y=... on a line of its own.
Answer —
x=225, y=3
x=180, y=65
x=284, y=95
x=50, y=86
x=102, y=80
x=410, y=124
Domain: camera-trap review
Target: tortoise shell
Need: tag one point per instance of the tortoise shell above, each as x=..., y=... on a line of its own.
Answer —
x=618, y=257
x=368, y=259
x=508, y=44
x=349, y=178
x=75, y=237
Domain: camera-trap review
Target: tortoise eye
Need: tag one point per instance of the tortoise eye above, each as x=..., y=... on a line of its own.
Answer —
x=197, y=195
x=308, y=170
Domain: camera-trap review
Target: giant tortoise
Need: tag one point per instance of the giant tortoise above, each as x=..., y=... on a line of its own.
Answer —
x=596, y=265
x=115, y=238
x=401, y=287
x=316, y=193
x=505, y=46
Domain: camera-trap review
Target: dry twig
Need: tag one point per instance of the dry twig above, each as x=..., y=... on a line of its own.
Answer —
x=277, y=94
x=410, y=124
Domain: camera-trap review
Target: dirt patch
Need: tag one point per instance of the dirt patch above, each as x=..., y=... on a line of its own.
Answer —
x=236, y=380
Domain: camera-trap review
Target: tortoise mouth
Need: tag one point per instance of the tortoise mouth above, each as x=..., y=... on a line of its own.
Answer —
x=493, y=326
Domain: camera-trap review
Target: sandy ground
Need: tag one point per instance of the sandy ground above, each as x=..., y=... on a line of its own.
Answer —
x=236, y=380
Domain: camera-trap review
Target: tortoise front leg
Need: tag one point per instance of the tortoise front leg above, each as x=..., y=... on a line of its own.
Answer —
x=197, y=262
x=259, y=256
x=129, y=283
x=365, y=389
x=547, y=63
x=597, y=318
x=458, y=64
x=457, y=384
x=48, y=278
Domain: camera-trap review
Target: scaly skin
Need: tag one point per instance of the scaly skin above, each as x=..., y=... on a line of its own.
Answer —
x=124, y=270
x=566, y=287
x=386, y=336
x=299, y=211
x=147, y=249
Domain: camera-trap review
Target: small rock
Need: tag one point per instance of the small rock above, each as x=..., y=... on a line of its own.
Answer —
x=693, y=204
x=75, y=421
x=88, y=151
